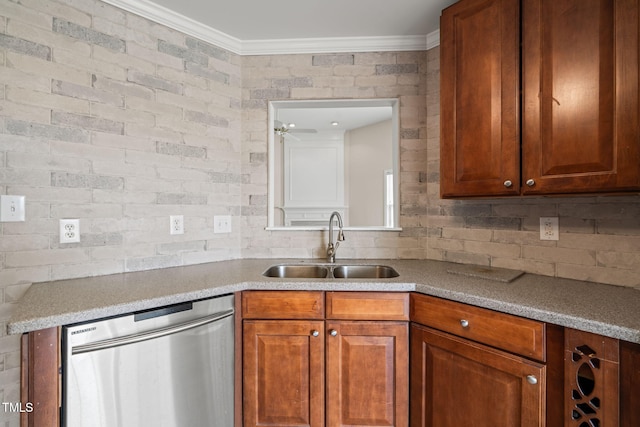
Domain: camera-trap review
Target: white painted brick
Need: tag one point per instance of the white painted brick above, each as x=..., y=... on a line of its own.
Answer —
x=48, y=38
x=45, y=100
x=116, y=114
x=25, y=112
x=122, y=59
x=45, y=257
x=25, y=80
x=86, y=269
x=104, y=68
x=86, y=151
x=95, y=210
x=47, y=162
x=57, y=9
x=152, y=133
x=120, y=168
x=123, y=141
x=612, y=276
x=153, y=56
x=97, y=8
x=180, y=101
x=54, y=194
x=19, y=13
x=560, y=255
x=23, y=243
x=158, y=31
x=54, y=70
x=38, y=178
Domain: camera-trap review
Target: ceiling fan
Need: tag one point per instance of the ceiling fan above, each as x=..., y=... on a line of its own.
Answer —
x=288, y=131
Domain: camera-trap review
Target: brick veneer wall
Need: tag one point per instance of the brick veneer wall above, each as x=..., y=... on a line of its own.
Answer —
x=400, y=75
x=107, y=117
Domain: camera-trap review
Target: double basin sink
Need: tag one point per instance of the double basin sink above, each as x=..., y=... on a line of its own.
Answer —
x=330, y=271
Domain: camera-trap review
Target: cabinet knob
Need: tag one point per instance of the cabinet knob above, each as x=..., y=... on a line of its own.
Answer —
x=464, y=323
x=508, y=183
x=531, y=379
x=315, y=333
x=531, y=182
x=333, y=332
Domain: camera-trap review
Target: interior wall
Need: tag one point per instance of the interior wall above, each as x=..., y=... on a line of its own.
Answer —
x=400, y=75
x=370, y=154
x=119, y=122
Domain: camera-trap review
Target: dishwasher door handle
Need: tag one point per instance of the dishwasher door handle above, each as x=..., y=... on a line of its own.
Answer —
x=156, y=333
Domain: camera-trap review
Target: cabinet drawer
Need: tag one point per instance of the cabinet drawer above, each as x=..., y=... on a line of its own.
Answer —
x=282, y=305
x=507, y=332
x=368, y=305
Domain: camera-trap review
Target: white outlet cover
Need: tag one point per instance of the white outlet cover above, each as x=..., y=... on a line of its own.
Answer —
x=12, y=209
x=549, y=228
x=69, y=230
x=176, y=224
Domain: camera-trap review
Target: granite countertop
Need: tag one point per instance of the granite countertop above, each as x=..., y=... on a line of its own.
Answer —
x=603, y=309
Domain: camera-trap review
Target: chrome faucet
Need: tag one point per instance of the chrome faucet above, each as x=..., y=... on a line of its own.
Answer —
x=331, y=248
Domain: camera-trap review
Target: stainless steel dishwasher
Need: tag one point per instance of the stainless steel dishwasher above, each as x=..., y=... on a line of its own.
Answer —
x=170, y=367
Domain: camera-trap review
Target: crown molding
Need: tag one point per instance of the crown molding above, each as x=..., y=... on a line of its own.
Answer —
x=433, y=39
x=333, y=45
x=176, y=21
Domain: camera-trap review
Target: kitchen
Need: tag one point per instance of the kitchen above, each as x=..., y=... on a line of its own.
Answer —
x=111, y=118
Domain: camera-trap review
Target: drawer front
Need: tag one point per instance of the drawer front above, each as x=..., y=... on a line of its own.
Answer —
x=283, y=305
x=510, y=333
x=367, y=305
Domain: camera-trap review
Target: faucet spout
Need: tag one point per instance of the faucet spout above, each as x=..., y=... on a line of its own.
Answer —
x=331, y=247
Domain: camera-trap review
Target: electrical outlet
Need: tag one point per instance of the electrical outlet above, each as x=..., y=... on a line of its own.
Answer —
x=176, y=224
x=549, y=228
x=69, y=230
x=222, y=224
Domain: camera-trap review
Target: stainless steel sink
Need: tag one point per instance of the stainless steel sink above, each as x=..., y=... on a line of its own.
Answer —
x=322, y=271
x=364, y=272
x=297, y=271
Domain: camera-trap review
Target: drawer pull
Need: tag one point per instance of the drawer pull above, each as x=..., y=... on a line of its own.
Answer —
x=315, y=333
x=531, y=379
x=333, y=333
x=464, y=323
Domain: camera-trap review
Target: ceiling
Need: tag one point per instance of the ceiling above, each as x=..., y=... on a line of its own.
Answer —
x=294, y=26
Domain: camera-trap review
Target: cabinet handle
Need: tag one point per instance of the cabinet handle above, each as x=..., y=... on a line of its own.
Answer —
x=315, y=333
x=508, y=183
x=531, y=379
x=531, y=182
x=333, y=333
x=464, y=323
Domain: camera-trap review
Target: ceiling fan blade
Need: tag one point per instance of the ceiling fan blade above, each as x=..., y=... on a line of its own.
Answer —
x=303, y=131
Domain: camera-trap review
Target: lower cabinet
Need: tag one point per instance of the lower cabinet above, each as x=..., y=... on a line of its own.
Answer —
x=323, y=370
x=457, y=382
x=283, y=373
x=477, y=367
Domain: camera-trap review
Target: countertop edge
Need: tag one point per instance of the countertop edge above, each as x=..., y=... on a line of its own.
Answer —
x=563, y=302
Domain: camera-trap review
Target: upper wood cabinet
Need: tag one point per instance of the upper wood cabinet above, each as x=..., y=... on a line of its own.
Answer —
x=539, y=97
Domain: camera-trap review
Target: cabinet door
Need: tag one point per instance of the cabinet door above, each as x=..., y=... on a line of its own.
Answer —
x=367, y=374
x=455, y=382
x=283, y=371
x=580, y=88
x=479, y=99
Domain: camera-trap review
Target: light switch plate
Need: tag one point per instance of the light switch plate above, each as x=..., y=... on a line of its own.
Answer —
x=222, y=223
x=12, y=208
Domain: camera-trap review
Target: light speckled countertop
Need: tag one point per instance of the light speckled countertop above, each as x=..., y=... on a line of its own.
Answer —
x=603, y=309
